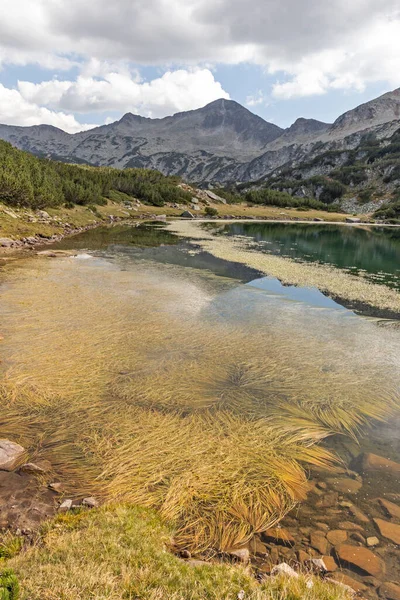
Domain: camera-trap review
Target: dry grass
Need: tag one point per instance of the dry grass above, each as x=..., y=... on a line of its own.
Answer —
x=326, y=278
x=276, y=213
x=120, y=552
x=136, y=391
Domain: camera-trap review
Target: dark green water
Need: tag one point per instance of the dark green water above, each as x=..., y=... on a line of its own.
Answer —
x=375, y=250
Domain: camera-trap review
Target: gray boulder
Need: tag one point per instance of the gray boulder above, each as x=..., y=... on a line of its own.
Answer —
x=353, y=220
x=6, y=242
x=10, y=454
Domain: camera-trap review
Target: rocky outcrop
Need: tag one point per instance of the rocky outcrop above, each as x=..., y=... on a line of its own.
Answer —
x=376, y=112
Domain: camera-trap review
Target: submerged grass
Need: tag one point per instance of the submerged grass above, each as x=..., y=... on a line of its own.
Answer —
x=326, y=278
x=136, y=390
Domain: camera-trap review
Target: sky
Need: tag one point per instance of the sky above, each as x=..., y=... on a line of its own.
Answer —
x=76, y=64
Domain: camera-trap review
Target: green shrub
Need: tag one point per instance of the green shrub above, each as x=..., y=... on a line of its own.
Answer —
x=266, y=196
x=230, y=194
x=350, y=175
x=332, y=190
x=365, y=196
x=26, y=180
x=210, y=211
x=391, y=210
x=9, y=586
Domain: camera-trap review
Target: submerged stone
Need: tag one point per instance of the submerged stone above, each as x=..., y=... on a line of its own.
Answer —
x=358, y=514
x=389, y=530
x=372, y=462
x=348, y=582
x=319, y=542
x=390, y=591
x=278, y=535
x=345, y=485
x=372, y=541
x=392, y=510
x=336, y=537
x=361, y=559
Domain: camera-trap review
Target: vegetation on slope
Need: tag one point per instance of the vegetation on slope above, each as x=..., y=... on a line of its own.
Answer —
x=26, y=180
x=261, y=195
x=367, y=173
x=390, y=211
x=122, y=552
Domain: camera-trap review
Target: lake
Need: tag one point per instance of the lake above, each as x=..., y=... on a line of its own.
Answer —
x=149, y=370
x=372, y=250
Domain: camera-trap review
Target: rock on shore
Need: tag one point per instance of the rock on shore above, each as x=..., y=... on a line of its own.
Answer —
x=10, y=454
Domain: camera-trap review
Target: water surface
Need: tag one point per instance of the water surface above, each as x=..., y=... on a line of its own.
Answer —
x=374, y=251
x=153, y=363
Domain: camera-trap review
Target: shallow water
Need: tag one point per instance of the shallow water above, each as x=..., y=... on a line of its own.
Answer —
x=153, y=364
x=372, y=250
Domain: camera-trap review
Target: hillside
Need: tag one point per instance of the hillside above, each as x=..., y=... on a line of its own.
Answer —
x=364, y=178
x=26, y=180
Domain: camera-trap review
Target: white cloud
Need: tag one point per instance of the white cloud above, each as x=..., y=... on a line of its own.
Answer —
x=373, y=55
x=56, y=101
x=256, y=99
x=319, y=46
x=15, y=110
x=175, y=91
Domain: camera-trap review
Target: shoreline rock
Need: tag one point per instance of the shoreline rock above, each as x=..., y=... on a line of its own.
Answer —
x=10, y=455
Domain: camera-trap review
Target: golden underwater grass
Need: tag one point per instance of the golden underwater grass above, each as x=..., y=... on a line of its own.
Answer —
x=134, y=395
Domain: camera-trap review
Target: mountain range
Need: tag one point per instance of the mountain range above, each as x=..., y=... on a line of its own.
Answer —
x=221, y=142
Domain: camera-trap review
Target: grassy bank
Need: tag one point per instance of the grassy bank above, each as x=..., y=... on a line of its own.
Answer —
x=276, y=213
x=122, y=552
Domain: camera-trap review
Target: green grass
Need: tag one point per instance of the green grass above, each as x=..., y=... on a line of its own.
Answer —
x=10, y=545
x=122, y=552
x=9, y=585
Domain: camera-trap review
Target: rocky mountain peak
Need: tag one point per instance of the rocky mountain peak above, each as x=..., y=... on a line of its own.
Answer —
x=383, y=109
x=305, y=126
x=222, y=141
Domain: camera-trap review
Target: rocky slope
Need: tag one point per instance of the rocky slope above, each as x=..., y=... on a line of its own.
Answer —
x=221, y=142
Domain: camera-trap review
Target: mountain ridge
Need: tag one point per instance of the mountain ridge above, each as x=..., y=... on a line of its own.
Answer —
x=219, y=142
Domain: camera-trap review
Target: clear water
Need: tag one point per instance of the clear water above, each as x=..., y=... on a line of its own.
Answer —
x=143, y=321
x=373, y=250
